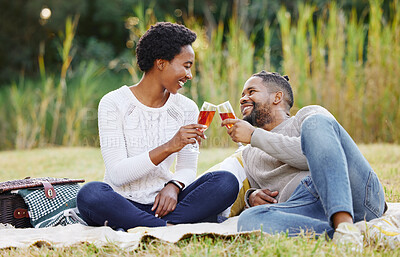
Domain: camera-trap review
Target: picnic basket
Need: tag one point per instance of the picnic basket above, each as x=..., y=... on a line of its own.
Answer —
x=13, y=209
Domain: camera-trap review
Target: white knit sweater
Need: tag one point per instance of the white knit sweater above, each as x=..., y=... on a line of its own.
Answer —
x=129, y=130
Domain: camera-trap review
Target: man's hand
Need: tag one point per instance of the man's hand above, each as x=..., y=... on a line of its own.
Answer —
x=240, y=131
x=166, y=200
x=262, y=196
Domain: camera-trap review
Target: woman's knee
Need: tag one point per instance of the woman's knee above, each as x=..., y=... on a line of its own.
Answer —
x=92, y=192
x=228, y=181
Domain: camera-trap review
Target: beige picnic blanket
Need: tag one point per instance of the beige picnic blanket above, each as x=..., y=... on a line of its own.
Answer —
x=100, y=236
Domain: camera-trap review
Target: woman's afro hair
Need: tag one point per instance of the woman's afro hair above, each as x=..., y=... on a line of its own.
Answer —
x=163, y=40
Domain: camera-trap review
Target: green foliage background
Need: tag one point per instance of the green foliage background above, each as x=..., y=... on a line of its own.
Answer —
x=343, y=55
x=102, y=34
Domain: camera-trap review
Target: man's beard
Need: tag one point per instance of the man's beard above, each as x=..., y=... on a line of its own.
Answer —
x=259, y=116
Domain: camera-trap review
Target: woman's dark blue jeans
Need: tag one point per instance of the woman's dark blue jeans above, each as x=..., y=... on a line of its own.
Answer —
x=201, y=201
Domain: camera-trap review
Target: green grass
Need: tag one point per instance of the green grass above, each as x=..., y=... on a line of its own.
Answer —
x=253, y=245
x=86, y=162
x=76, y=162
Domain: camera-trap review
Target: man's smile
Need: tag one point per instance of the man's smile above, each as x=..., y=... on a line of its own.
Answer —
x=246, y=108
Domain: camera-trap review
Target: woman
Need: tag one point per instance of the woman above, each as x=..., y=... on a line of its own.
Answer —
x=143, y=129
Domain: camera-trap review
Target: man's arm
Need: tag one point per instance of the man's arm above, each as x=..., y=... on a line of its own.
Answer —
x=283, y=148
x=286, y=149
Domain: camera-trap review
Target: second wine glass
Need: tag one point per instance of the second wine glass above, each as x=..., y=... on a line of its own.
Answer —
x=226, y=112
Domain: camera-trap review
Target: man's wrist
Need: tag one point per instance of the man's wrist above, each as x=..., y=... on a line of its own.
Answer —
x=247, y=196
x=251, y=135
x=252, y=132
x=248, y=199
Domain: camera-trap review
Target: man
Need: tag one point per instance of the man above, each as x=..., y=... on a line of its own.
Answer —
x=341, y=187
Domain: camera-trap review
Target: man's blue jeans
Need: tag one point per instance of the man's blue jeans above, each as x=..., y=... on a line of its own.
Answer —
x=341, y=181
x=202, y=200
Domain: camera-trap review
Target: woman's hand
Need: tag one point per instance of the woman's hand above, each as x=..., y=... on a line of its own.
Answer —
x=166, y=200
x=188, y=134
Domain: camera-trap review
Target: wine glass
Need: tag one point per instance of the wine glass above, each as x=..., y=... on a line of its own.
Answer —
x=207, y=112
x=226, y=112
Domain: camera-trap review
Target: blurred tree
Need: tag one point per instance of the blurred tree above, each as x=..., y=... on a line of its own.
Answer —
x=101, y=29
x=16, y=32
x=22, y=30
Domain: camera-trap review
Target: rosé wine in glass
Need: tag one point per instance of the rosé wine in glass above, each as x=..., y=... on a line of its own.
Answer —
x=207, y=112
x=227, y=115
x=226, y=112
x=205, y=118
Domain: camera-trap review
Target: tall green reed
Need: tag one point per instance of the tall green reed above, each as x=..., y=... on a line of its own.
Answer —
x=81, y=107
x=65, y=53
x=329, y=65
x=29, y=112
x=295, y=48
x=3, y=117
x=263, y=61
x=223, y=64
x=354, y=79
x=43, y=112
x=382, y=73
x=334, y=59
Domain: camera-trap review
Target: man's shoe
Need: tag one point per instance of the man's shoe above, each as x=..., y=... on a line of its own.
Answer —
x=385, y=231
x=347, y=234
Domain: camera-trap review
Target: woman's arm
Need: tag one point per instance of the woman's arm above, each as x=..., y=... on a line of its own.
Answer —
x=186, y=163
x=185, y=135
x=121, y=168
